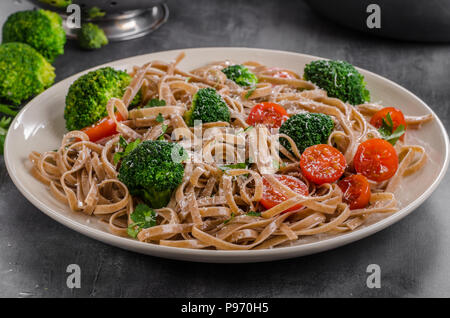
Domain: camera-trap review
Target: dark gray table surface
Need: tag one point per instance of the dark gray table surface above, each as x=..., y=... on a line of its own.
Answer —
x=414, y=254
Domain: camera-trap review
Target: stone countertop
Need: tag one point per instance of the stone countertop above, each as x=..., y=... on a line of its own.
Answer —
x=413, y=254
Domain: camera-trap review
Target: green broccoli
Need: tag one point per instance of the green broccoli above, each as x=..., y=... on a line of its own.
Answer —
x=240, y=75
x=23, y=72
x=87, y=97
x=91, y=37
x=207, y=106
x=95, y=12
x=41, y=29
x=57, y=3
x=340, y=79
x=306, y=129
x=153, y=171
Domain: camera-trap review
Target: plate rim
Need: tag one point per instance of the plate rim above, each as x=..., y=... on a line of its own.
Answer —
x=228, y=256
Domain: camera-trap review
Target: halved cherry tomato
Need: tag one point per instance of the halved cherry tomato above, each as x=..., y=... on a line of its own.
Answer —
x=397, y=118
x=376, y=159
x=322, y=164
x=272, y=198
x=271, y=115
x=103, y=128
x=356, y=191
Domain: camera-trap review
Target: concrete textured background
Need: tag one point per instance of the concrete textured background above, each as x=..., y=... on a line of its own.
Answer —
x=414, y=254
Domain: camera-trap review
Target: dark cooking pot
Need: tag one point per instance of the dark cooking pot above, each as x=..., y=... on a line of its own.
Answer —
x=416, y=20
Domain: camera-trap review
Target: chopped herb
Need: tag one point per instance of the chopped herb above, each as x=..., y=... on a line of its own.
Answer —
x=276, y=164
x=154, y=102
x=160, y=118
x=4, y=125
x=241, y=165
x=122, y=142
x=253, y=213
x=387, y=130
x=164, y=129
x=231, y=218
x=143, y=218
x=248, y=128
x=127, y=148
x=250, y=92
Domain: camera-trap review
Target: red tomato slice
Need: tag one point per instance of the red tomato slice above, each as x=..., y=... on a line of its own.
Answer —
x=271, y=115
x=396, y=115
x=103, y=128
x=272, y=198
x=356, y=191
x=322, y=164
x=376, y=159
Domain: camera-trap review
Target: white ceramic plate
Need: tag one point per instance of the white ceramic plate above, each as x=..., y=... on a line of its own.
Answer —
x=40, y=126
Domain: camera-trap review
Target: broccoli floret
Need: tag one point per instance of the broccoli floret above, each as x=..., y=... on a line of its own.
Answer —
x=91, y=37
x=95, y=12
x=152, y=171
x=340, y=79
x=306, y=129
x=23, y=72
x=240, y=75
x=87, y=97
x=57, y=3
x=207, y=106
x=41, y=29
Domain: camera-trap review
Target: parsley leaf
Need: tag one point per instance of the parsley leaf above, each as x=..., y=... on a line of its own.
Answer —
x=253, y=213
x=387, y=130
x=241, y=165
x=154, y=102
x=275, y=164
x=127, y=148
x=231, y=218
x=4, y=125
x=250, y=92
x=160, y=118
x=143, y=218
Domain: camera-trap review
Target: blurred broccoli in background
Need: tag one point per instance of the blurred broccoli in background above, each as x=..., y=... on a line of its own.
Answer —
x=91, y=37
x=340, y=79
x=5, y=122
x=240, y=75
x=41, y=29
x=23, y=72
x=57, y=3
x=4, y=125
x=87, y=97
x=207, y=106
x=95, y=12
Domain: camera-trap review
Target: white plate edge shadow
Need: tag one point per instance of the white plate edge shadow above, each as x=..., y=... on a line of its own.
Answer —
x=247, y=256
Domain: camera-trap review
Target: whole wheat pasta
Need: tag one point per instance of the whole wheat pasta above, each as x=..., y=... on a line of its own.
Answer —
x=215, y=208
